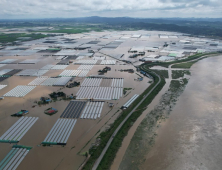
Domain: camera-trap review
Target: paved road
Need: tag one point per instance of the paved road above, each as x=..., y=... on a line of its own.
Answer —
x=118, y=128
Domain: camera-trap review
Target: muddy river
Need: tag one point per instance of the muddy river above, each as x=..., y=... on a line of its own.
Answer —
x=191, y=137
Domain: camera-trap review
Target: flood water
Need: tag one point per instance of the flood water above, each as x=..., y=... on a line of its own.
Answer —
x=85, y=131
x=192, y=136
x=58, y=157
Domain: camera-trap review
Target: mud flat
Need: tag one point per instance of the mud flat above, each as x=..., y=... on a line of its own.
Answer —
x=190, y=137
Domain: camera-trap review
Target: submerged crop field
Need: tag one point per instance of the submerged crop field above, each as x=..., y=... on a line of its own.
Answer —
x=66, y=89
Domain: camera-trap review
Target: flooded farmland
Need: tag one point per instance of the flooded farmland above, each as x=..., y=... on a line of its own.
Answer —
x=66, y=145
x=190, y=138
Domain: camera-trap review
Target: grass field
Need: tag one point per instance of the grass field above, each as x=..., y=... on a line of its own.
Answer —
x=163, y=73
x=184, y=65
x=179, y=73
x=74, y=29
x=68, y=31
x=5, y=38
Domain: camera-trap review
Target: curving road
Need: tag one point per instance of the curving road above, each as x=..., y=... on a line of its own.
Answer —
x=95, y=166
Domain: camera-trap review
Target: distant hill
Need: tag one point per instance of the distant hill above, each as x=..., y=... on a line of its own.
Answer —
x=197, y=26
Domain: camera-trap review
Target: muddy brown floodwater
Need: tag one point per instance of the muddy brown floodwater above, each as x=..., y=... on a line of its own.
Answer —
x=85, y=130
x=190, y=139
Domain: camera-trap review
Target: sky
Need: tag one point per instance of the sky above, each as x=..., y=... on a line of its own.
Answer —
x=21, y=9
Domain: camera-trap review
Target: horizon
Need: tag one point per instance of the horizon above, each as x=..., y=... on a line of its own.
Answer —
x=112, y=17
x=24, y=9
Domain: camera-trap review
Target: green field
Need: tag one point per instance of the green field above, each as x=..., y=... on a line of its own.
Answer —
x=74, y=29
x=68, y=31
x=183, y=65
x=163, y=73
x=179, y=73
x=5, y=38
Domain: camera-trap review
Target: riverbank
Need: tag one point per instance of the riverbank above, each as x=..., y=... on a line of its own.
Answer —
x=145, y=135
x=174, y=139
